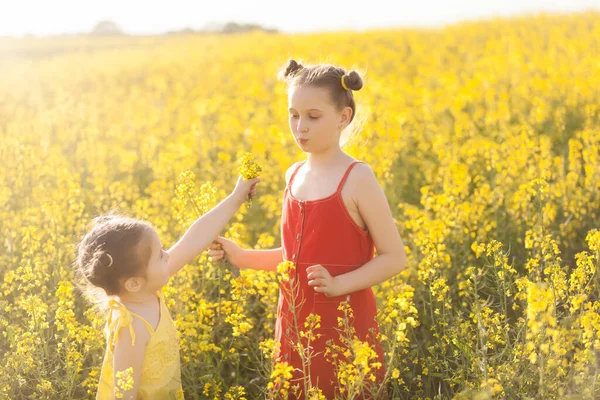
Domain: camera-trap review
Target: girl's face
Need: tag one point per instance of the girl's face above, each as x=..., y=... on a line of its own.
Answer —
x=157, y=273
x=314, y=119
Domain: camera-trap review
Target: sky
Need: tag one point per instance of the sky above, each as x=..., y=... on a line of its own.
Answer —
x=52, y=17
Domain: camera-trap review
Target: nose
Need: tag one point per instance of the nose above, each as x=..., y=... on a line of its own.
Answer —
x=302, y=127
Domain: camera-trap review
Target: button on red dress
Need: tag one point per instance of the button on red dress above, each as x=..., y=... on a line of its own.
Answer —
x=322, y=232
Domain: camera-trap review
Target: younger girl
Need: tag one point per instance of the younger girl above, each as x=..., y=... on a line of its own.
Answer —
x=123, y=257
x=334, y=215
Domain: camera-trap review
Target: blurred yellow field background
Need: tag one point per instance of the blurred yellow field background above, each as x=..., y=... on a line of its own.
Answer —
x=485, y=137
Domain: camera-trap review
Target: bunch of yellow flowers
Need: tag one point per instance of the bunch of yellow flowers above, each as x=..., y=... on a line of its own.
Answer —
x=248, y=169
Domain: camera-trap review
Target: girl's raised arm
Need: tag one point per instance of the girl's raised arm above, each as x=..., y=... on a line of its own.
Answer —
x=206, y=228
x=266, y=260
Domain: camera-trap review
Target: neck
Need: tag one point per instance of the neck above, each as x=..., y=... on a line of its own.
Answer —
x=326, y=159
x=137, y=297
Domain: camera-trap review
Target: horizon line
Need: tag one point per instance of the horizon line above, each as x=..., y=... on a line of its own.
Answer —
x=214, y=26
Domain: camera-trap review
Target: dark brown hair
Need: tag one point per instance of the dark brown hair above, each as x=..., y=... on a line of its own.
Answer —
x=116, y=248
x=325, y=76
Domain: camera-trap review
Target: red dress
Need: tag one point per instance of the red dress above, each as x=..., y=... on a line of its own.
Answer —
x=322, y=232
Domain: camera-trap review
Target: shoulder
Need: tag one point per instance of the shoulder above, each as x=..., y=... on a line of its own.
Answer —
x=363, y=186
x=362, y=176
x=290, y=171
x=128, y=330
x=134, y=339
x=137, y=336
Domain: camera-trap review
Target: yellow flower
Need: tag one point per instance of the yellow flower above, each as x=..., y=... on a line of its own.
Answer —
x=593, y=240
x=492, y=138
x=283, y=269
x=248, y=169
x=124, y=382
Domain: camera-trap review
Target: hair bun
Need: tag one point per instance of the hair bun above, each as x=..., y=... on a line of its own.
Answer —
x=95, y=271
x=353, y=80
x=291, y=69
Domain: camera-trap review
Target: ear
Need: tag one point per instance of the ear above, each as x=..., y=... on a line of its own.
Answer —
x=345, y=117
x=133, y=284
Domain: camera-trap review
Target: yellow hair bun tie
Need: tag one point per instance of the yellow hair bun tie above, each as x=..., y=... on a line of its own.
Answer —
x=344, y=83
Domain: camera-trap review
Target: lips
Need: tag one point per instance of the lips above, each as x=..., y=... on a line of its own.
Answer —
x=302, y=141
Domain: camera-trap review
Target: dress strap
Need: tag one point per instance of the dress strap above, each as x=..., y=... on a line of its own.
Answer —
x=341, y=185
x=123, y=320
x=300, y=164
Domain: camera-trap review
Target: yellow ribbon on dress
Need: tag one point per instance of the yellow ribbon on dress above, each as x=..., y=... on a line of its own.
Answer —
x=125, y=319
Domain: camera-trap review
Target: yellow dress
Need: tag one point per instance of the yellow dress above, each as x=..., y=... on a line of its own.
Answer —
x=161, y=371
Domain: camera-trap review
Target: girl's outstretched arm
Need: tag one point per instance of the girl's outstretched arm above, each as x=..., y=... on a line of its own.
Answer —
x=391, y=259
x=266, y=260
x=206, y=228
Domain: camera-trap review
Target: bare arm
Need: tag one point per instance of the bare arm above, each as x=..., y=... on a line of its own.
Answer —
x=266, y=260
x=391, y=258
x=130, y=355
x=206, y=228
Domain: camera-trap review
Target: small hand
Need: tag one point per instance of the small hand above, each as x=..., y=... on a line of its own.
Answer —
x=245, y=189
x=225, y=251
x=323, y=282
x=215, y=251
